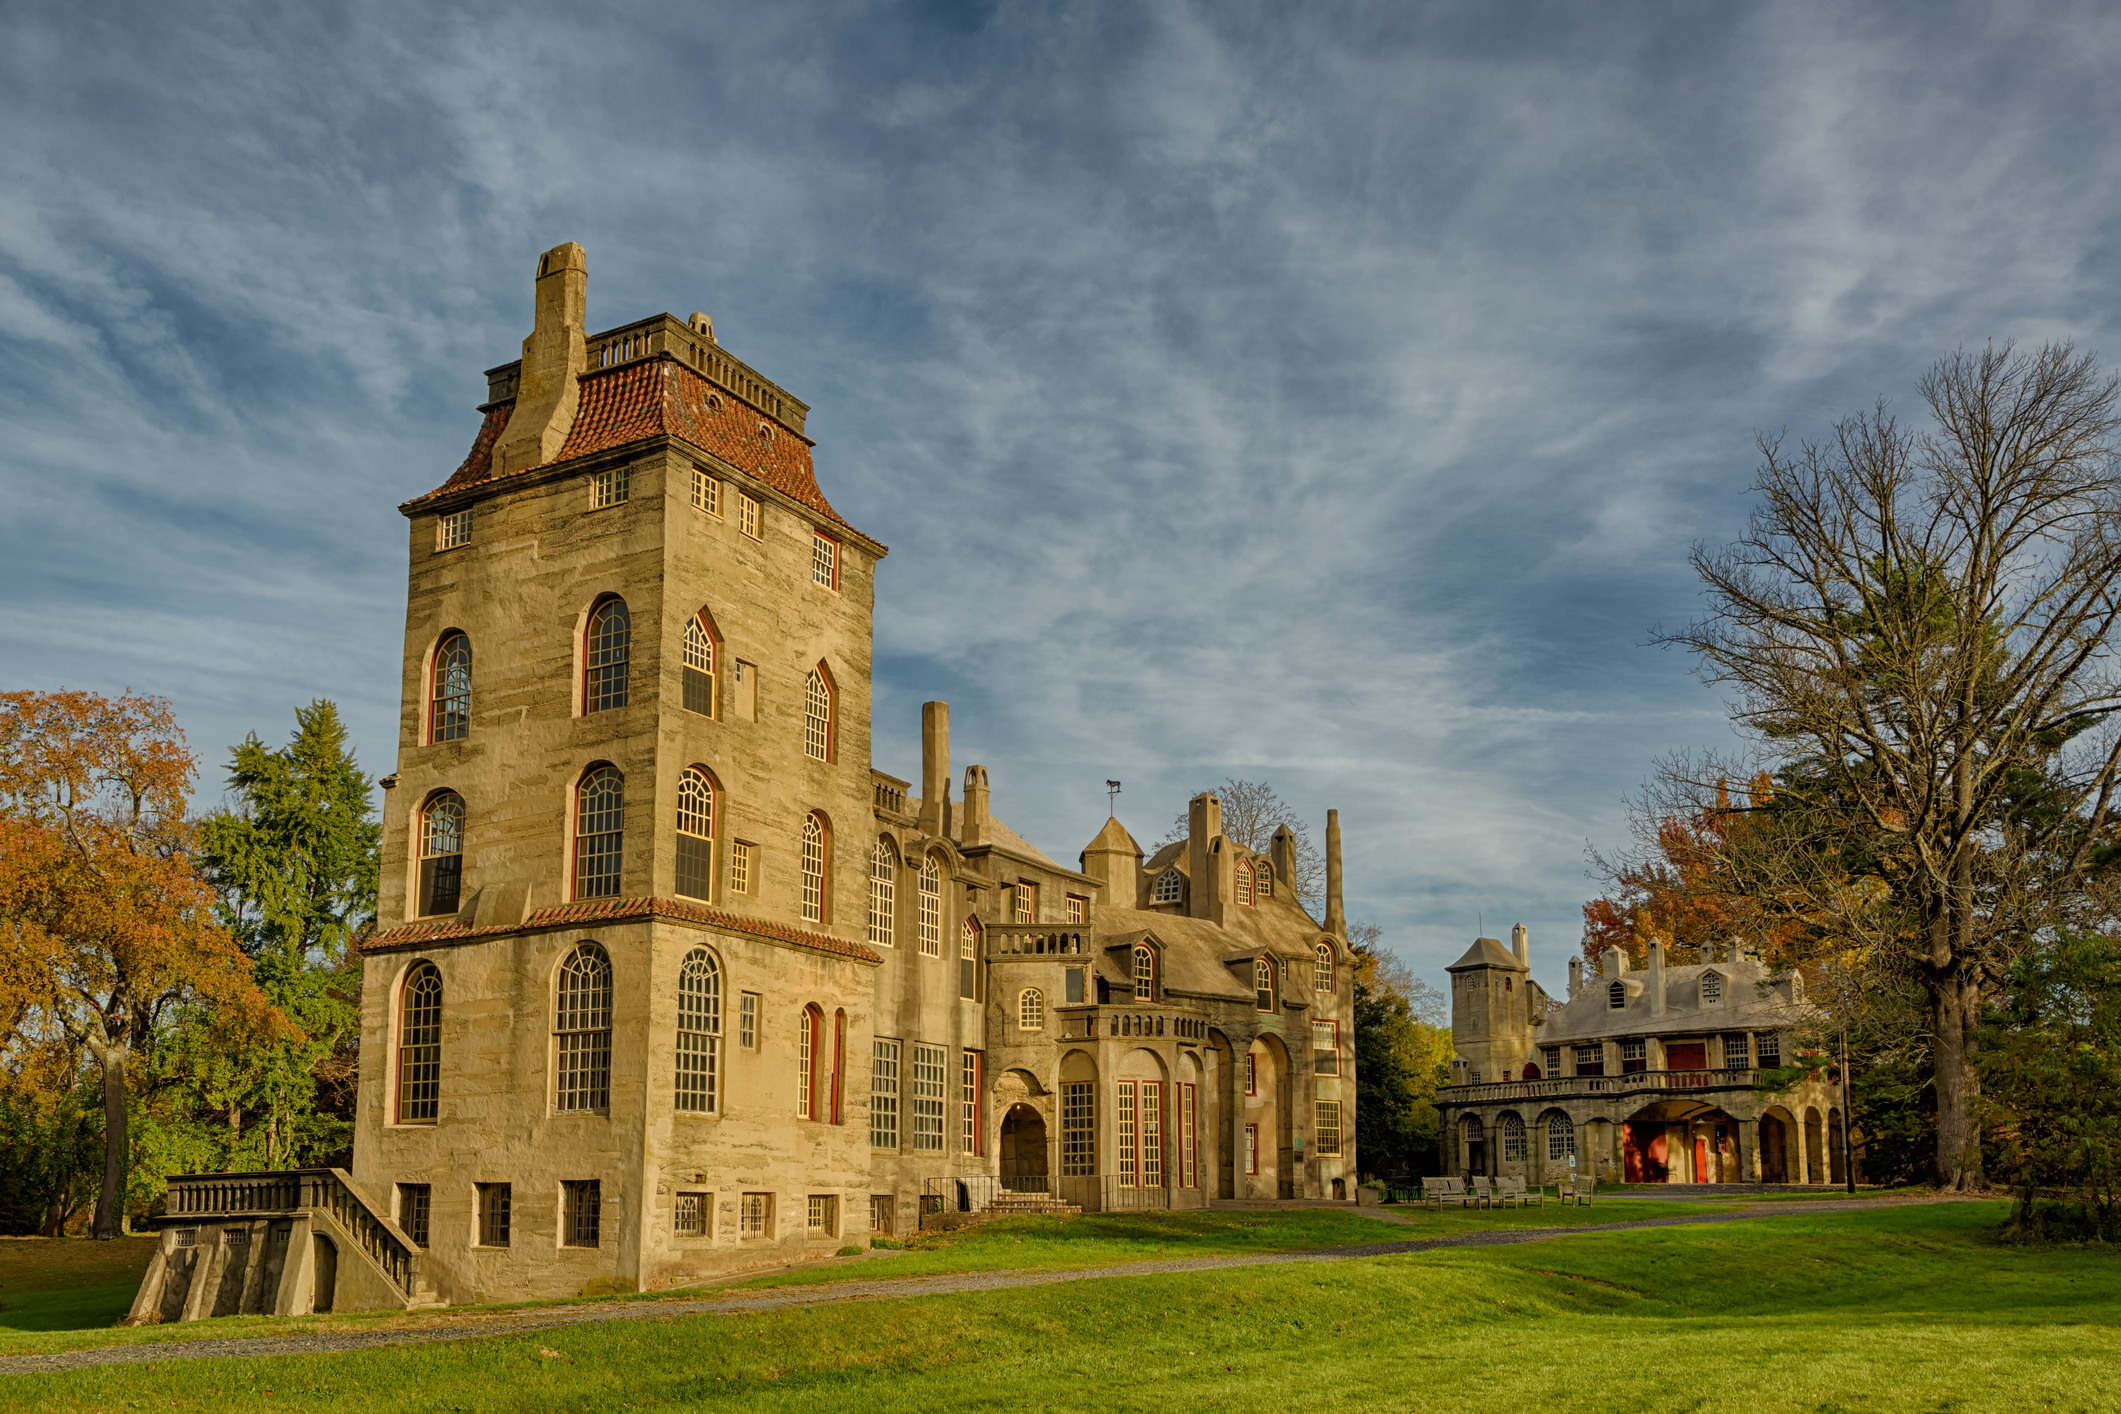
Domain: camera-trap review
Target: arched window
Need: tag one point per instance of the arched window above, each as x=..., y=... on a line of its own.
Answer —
x=817, y=717
x=699, y=1033
x=968, y=959
x=582, y=1029
x=441, y=854
x=810, y=1039
x=420, y=1046
x=931, y=908
x=1561, y=1136
x=1031, y=1009
x=700, y=694
x=1144, y=975
x=1244, y=882
x=606, y=647
x=1513, y=1145
x=814, y=842
x=883, y=894
x=1263, y=874
x=1616, y=996
x=449, y=711
x=1322, y=968
x=1263, y=983
x=1170, y=887
x=599, y=825
x=695, y=834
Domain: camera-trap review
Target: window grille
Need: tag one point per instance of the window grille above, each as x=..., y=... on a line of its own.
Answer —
x=583, y=1029
x=442, y=855
x=1243, y=874
x=1513, y=1138
x=1326, y=1128
x=883, y=894
x=690, y=1217
x=1325, y=1048
x=824, y=561
x=1031, y=1010
x=420, y=1046
x=817, y=717
x=700, y=692
x=695, y=834
x=1144, y=975
x=968, y=1102
x=608, y=488
x=1616, y=996
x=1561, y=1137
x=1634, y=1057
x=883, y=1095
x=747, y=515
x=968, y=959
x=1024, y=901
x=1078, y=909
x=1263, y=984
x=1129, y=1118
x=453, y=530
x=930, y=1072
x=1737, y=1050
x=583, y=1213
x=699, y=1033
x=813, y=869
x=187, y=1237
x=600, y=815
x=706, y=492
x=1768, y=1047
x=1170, y=887
x=740, y=867
x=931, y=888
x=1590, y=1060
x=754, y=1216
x=413, y=1203
x=605, y=655
x=1322, y=967
x=1078, y=1130
x=747, y=1021
x=823, y=1215
x=449, y=709
x=1711, y=988
x=494, y=1203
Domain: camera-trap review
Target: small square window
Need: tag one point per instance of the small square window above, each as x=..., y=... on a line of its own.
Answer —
x=581, y=1212
x=741, y=859
x=453, y=530
x=824, y=561
x=748, y=518
x=1078, y=909
x=755, y=1217
x=494, y=1203
x=706, y=492
x=747, y=1021
x=824, y=1215
x=608, y=488
x=413, y=1200
x=690, y=1218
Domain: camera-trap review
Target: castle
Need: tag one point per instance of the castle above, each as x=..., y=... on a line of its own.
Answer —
x=1637, y=1077
x=670, y=982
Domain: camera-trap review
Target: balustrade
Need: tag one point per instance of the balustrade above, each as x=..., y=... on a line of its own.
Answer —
x=244, y=1194
x=1640, y=1081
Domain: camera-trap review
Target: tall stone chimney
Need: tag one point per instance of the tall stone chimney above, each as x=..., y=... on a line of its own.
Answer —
x=1616, y=965
x=1575, y=977
x=1284, y=852
x=976, y=831
x=935, y=769
x=1336, y=919
x=1521, y=944
x=553, y=360
x=1656, y=983
x=1204, y=827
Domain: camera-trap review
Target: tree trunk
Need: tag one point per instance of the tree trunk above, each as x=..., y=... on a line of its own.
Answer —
x=110, y=1202
x=1958, y=1138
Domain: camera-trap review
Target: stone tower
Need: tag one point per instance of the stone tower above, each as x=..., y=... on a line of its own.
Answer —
x=1494, y=1007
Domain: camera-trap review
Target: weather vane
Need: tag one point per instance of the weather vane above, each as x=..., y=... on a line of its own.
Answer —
x=1112, y=797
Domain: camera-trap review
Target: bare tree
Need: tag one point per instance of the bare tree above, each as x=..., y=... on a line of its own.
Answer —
x=1916, y=631
x=1252, y=812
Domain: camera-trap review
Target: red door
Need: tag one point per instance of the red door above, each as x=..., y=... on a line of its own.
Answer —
x=1692, y=1056
x=1701, y=1161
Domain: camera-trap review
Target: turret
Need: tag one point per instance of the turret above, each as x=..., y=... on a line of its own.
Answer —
x=975, y=806
x=1116, y=859
x=1491, y=1023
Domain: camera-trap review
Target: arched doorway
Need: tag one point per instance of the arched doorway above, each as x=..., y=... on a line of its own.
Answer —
x=1024, y=1149
x=325, y=1285
x=1774, y=1149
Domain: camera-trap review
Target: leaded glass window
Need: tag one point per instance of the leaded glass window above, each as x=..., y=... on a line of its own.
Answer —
x=1031, y=1009
x=699, y=668
x=1322, y=967
x=1263, y=984
x=1144, y=975
x=931, y=891
x=1243, y=875
x=699, y=1033
x=582, y=1031
x=609, y=643
x=1078, y=1130
x=1561, y=1136
x=420, y=1046
x=817, y=717
x=883, y=894
x=883, y=1095
x=1170, y=887
x=442, y=854
x=599, y=827
x=1513, y=1138
x=930, y=1074
x=449, y=715
x=813, y=869
x=695, y=834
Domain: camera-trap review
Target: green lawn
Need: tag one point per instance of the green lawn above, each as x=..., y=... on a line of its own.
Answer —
x=1906, y=1309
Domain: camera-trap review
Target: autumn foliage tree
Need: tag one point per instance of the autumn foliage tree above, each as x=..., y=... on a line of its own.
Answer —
x=107, y=927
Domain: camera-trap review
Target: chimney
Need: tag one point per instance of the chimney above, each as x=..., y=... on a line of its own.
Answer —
x=553, y=360
x=1616, y=965
x=975, y=806
x=1336, y=920
x=1204, y=826
x=1575, y=977
x=935, y=768
x=1521, y=944
x=1284, y=852
x=1656, y=976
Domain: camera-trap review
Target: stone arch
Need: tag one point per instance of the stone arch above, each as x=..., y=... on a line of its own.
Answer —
x=1513, y=1144
x=1778, y=1145
x=1473, y=1146
x=1814, y=1146
x=1554, y=1145
x=1837, y=1153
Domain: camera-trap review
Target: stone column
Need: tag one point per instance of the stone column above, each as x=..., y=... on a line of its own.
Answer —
x=1797, y=1158
x=1748, y=1156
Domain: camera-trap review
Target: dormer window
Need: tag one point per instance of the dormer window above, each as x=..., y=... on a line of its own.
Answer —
x=1144, y=975
x=1263, y=983
x=1711, y=988
x=1170, y=887
x=1616, y=996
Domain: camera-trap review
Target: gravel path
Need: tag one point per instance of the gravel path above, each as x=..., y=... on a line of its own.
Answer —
x=782, y=1298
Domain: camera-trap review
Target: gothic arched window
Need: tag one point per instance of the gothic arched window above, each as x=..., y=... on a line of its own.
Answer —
x=883, y=894
x=931, y=889
x=1144, y=975
x=441, y=854
x=814, y=848
x=1243, y=874
x=700, y=659
x=1170, y=887
x=695, y=834
x=1322, y=968
x=817, y=717
x=605, y=650
x=1263, y=983
x=449, y=709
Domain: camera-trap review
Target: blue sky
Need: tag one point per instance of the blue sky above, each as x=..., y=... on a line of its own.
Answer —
x=1323, y=394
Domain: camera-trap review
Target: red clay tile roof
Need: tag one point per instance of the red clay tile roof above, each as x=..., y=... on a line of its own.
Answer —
x=612, y=910
x=660, y=396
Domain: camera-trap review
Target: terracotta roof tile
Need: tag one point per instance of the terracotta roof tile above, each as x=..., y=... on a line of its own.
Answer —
x=610, y=910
